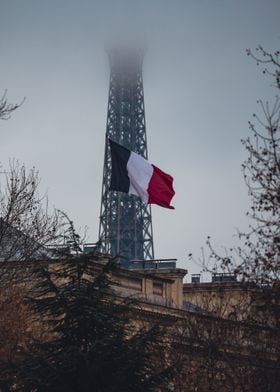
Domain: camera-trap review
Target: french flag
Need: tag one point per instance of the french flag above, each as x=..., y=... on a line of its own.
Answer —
x=133, y=174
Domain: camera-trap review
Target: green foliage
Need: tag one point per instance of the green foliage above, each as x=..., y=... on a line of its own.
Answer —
x=91, y=344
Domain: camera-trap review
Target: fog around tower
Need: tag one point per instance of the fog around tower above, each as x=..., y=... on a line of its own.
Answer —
x=200, y=91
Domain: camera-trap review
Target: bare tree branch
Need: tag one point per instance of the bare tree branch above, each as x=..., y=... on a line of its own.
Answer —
x=26, y=224
x=7, y=108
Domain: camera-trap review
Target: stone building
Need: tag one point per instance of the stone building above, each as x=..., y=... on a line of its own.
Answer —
x=211, y=345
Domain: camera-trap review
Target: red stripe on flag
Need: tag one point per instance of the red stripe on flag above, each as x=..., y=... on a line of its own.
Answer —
x=160, y=188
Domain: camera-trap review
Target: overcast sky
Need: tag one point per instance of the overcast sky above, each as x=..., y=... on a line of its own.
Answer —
x=200, y=91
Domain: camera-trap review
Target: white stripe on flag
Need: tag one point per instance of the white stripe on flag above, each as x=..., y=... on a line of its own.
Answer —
x=140, y=172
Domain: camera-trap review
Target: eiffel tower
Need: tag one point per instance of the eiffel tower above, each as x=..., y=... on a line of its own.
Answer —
x=125, y=227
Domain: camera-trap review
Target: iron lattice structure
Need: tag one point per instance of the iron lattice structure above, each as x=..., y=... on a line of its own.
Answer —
x=125, y=227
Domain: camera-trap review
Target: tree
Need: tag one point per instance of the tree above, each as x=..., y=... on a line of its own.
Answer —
x=7, y=108
x=257, y=258
x=26, y=228
x=26, y=225
x=215, y=354
x=91, y=343
x=256, y=261
x=13, y=322
x=261, y=261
